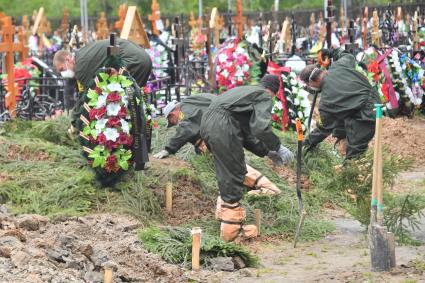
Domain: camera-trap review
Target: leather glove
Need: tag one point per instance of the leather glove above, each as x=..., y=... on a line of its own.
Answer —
x=282, y=156
x=162, y=154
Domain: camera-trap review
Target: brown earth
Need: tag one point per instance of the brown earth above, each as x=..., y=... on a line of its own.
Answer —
x=77, y=249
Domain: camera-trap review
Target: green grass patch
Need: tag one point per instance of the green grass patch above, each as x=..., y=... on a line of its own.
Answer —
x=174, y=245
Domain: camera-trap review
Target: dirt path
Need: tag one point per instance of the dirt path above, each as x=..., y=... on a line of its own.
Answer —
x=342, y=256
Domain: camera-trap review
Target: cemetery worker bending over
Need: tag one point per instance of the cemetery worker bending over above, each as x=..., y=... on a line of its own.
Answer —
x=347, y=99
x=188, y=115
x=237, y=119
x=89, y=59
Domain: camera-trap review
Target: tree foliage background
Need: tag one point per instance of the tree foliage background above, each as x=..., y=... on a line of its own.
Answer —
x=54, y=8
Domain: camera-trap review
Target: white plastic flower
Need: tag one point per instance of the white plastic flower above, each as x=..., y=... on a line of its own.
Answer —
x=225, y=74
x=111, y=134
x=100, y=124
x=296, y=101
x=300, y=114
x=115, y=87
x=124, y=100
x=222, y=58
x=245, y=68
x=240, y=50
x=239, y=72
x=125, y=126
x=101, y=101
x=279, y=105
x=113, y=109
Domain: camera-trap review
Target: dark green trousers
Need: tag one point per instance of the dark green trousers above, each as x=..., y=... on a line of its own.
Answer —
x=358, y=127
x=225, y=140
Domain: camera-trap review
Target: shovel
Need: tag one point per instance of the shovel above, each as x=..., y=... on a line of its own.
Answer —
x=303, y=213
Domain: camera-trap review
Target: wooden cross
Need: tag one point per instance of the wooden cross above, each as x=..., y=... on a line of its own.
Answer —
x=312, y=24
x=102, y=31
x=342, y=20
x=9, y=47
x=217, y=23
x=26, y=26
x=239, y=19
x=193, y=23
x=365, y=21
x=408, y=22
x=285, y=34
x=376, y=33
x=155, y=16
x=415, y=39
x=122, y=11
x=63, y=28
x=133, y=28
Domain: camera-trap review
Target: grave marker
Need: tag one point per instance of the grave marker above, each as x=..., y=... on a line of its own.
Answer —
x=133, y=28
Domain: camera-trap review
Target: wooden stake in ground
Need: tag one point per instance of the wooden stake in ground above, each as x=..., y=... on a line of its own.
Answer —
x=196, y=247
x=169, y=197
x=257, y=217
x=381, y=242
x=108, y=275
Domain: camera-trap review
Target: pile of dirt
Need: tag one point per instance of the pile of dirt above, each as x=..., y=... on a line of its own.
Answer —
x=189, y=202
x=405, y=137
x=77, y=249
x=17, y=152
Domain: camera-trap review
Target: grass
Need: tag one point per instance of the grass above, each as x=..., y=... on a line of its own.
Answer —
x=43, y=172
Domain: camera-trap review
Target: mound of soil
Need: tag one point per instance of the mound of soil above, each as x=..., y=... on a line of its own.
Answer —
x=405, y=137
x=189, y=202
x=34, y=249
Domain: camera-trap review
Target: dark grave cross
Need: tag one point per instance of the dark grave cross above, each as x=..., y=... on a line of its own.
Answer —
x=179, y=42
x=351, y=47
x=113, y=49
x=239, y=19
x=293, y=34
x=210, y=27
x=260, y=33
x=329, y=19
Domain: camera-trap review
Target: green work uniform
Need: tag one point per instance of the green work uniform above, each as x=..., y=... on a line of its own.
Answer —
x=188, y=130
x=90, y=58
x=347, y=100
x=240, y=117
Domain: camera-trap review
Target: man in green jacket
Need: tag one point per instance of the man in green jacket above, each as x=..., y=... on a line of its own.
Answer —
x=89, y=59
x=346, y=103
x=188, y=115
x=237, y=119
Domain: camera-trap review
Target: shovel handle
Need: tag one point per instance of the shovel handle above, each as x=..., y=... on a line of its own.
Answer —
x=299, y=127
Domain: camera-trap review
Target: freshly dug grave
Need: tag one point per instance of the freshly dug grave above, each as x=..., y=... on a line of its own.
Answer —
x=77, y=249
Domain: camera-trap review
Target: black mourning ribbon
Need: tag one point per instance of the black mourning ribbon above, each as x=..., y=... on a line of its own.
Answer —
x=139, y=148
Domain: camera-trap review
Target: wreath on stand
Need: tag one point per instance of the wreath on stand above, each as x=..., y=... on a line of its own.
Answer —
x=234, y=65
x=297, y=103
x=115, y=125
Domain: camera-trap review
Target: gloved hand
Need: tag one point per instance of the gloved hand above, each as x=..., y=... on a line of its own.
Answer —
x=282, y=156
x=162, y=154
